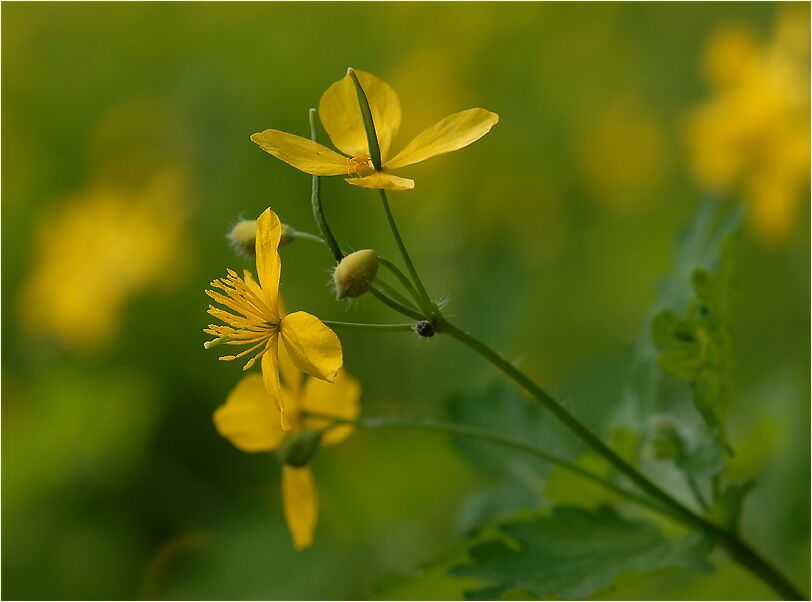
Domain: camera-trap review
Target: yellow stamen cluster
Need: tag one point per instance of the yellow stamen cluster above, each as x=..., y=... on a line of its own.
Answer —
x=360, y=166
x=252, y=323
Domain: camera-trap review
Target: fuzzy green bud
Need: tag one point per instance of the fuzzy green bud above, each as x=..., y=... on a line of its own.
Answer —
x=243, y=236
x=664, y=439
x=355, y=273
x=298, y=449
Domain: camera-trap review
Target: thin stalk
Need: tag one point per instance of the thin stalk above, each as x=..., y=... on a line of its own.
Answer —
x=495, y=438
x=401, y=277
x=308, y=236
x=697, y=492
x=738, y=550
x=315, y=201
x=426, y=303
x=398, y=307
x=375, y=157
x=395, y=294
x=379, y=327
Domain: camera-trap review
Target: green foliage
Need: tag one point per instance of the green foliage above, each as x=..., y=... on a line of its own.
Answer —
x=432, y=581
x=574, y=553
x=698, y=347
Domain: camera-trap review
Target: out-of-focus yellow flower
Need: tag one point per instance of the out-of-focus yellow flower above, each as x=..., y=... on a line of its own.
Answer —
x=752, y=137
x=341, y=116
x=251, y=421
x=254, y=319
x=98, y=251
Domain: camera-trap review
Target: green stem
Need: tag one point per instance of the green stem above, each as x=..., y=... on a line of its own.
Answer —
x=738, y=550
x=366, y=114
x=308, y=236
x=697, y=492
x=424, y=299
x=380, y=327
x=495, y=438
x=315, y=201
x=401, y=277
x=395, y=293
x=398, y=307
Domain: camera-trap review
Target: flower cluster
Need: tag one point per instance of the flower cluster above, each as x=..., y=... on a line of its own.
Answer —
x=260, y=411
x=752, y=137
x=268, y=413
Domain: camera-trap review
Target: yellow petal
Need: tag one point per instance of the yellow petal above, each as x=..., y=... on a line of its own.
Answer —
x=269, y=265
x=387, y=181
x=290, y=373
x=452, y=133
x=270, y=377
x=340, y=114
x=250, y=417
x=314, y=348
x=303, y=154
x=338, y=399
x=300, y=503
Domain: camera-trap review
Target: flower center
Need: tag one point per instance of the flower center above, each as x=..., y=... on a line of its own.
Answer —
x=360, y=166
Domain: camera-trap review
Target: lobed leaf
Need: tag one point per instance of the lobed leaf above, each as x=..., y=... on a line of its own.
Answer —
x=574, y=553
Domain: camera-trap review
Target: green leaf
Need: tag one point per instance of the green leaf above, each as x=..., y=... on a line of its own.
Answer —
x=494, y=505
x=432, y=581
x=574, y=553
x=698, y=348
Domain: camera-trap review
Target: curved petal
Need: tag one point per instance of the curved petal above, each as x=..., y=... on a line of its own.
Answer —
x=314, y=348
x=341, y=116
x=338, y=399
x=291, y=375
x=250, y=417
x=387, y=181
x=300, y=503
x=452, y=133
x=269, y=265
x=270, y=378
x=302, y=153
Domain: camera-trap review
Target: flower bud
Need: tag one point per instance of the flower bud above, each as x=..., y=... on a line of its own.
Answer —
x=665, y=441
x=243, y=236
x=355, y=273
x=298, y=449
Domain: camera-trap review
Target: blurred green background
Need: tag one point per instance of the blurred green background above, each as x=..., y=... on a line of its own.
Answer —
x=126, y=159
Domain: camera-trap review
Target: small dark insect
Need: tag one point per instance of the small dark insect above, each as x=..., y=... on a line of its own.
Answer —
x=424, y=328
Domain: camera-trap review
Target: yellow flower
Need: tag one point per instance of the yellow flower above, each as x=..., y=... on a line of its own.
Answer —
x=251, y=422
x=255, y=319
x=106, y=246
x=341, y=116
x=752, y=137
